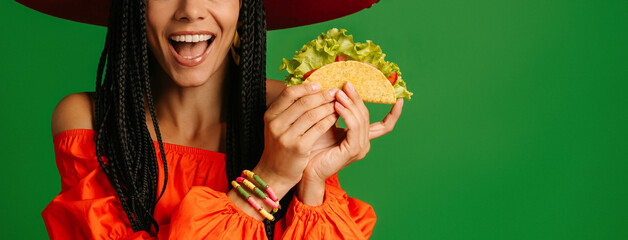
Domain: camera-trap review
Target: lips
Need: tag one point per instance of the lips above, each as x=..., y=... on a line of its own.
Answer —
x=190, y=48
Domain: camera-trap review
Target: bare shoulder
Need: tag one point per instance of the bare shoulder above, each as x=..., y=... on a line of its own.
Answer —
x=273, y=89
x=73, y=112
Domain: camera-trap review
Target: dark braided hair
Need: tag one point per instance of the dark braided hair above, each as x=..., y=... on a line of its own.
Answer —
x=124, y=147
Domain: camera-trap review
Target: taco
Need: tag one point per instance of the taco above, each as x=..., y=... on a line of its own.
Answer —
x=333, y=58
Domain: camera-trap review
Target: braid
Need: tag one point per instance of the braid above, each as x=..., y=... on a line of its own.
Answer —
x=120, y=123
x=149, y=97
x=245, y=133
x=124, y=92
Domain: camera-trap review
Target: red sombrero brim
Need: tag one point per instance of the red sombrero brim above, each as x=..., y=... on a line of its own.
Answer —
x=279, y=13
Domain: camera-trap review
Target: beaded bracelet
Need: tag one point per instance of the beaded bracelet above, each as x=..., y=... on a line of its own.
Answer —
x=252, y=201
x=261, y=182
x=259, y=192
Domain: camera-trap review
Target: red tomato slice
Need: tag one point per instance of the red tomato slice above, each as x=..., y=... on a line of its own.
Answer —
x=341, y=57
x=392, y=78
x=306, y=75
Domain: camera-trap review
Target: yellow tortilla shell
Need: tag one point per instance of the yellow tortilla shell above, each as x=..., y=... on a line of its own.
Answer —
x=369, y=81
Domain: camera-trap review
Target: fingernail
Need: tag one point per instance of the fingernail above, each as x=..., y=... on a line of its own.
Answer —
x=349, y=86
x=315, y=86
x=332, y=92
x=343, y=95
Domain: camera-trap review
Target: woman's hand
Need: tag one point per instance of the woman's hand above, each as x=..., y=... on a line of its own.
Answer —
x=293, y=123
x=340, y=147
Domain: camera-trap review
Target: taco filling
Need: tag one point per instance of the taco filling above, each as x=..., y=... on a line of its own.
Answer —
x=326, y=54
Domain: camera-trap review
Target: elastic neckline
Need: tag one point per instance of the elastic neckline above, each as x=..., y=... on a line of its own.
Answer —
x=167, y=146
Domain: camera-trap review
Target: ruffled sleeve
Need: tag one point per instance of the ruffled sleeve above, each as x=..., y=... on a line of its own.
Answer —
x=205, y=213
x=339, y=217
x=87, y=207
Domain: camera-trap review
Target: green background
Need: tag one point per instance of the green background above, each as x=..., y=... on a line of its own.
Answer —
x=517, y=129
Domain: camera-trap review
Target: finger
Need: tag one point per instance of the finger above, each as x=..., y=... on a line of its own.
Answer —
x=320, y=128
x=347, y=103
x=360, y=109
x=351, y=121
x=356, y=122
x=382, y=128
x=310, y=118
x=355, y=97
x=289, y=95
x=285, y=119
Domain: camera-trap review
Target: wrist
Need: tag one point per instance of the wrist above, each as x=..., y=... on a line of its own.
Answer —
x=244, y=205
x=311, y=191
x=280, y=185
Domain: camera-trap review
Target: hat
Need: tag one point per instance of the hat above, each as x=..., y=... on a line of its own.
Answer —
x=279, y=13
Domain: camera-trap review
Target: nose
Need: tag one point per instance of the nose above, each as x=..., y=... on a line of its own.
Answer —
x=190, y=11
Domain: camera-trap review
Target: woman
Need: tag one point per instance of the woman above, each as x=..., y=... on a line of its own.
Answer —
x=121, y=180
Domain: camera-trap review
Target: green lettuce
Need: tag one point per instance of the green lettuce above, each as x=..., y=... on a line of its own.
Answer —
x=324, y=49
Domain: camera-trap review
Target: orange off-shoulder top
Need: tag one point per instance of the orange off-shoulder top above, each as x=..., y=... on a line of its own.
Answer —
x=194, y=206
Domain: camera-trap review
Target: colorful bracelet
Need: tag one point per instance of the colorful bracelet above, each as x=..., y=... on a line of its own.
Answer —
x=252, y=201
x=261, y=182
x=259, y=192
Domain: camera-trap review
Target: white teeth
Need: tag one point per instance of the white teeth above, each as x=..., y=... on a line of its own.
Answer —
x=191, y=38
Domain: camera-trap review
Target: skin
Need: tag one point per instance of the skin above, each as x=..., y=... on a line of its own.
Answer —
x=303, y=146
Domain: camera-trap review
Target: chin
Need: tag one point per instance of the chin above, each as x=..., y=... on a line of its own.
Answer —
x=191, y=79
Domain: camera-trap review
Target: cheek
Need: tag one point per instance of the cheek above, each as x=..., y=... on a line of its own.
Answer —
x=153, y=44
x=156, y=22
x=152, y=38
x=157, y=16
x=227, y=16
x=228, y=19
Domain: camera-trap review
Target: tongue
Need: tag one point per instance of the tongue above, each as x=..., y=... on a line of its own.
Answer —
x=186, y=49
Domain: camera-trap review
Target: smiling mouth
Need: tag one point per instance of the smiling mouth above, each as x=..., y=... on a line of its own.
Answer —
x=191, y=46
